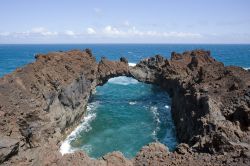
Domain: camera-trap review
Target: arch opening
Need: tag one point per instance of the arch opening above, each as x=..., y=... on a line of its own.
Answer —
x=123, y=115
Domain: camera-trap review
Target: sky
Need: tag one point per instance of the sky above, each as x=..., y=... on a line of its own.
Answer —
x=124, y=21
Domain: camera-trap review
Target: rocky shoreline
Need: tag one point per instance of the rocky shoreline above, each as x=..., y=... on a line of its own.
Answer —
x=210, y=107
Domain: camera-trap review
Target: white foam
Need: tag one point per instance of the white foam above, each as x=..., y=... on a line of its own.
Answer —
x=154, y=110
x=154, y=134
x=122, y=80
x=246, y=68
x=84, y=126
x=132, y=102
x=132, y=64
x=65, y=147
x=94, y=91
x=166, y=106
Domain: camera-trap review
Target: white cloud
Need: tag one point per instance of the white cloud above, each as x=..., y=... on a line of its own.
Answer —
x=43, y=31
x=91, y=31
x=153, y=33
x=38, y=32
x=133, y=31
x=182, y=34
x=69, y=33
x=4, y=33
x=109, y=30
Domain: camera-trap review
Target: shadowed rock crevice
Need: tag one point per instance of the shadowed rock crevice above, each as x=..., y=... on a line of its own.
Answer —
x=41, y=102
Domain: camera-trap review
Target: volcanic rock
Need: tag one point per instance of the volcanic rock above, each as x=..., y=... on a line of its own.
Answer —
x=210, y=103
x=44, y=100
x=39, y=102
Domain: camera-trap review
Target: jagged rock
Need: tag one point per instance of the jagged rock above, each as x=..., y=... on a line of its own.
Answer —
x=8, y=148
x=210, y=108
x=183, y=148
x=108, y=69
x=116, y=158
x=152, y=154
x=89, y=51
x=123, y=59
x=42, y=100
x=71, y=95
x=206, y=104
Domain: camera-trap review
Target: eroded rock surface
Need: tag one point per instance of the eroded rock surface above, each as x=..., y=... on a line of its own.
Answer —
x=44, y=100
x=39, y=102
x=210, y=102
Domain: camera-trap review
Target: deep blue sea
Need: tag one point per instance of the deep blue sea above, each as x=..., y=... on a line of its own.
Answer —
x=124, y=114
x=13, y=56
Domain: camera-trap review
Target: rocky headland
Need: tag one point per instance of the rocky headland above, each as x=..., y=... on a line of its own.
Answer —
x=44, y=100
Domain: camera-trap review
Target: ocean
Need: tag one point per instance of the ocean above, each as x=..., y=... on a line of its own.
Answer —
x=13, y=56
x=124, y=114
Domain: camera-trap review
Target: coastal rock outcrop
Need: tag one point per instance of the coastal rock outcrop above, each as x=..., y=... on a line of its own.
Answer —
x=108, y=69
x=210, y=101
x=39, y=102
x=44, y=100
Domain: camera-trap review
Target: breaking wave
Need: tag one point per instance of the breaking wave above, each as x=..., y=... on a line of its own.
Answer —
x=84, y=126
x=132, y=64
x=122, y=80
x=246, y=68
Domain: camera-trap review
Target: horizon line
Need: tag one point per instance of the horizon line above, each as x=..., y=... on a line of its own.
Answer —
x=123, y=43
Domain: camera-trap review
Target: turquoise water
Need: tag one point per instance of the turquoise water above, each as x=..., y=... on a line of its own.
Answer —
x=124, y=115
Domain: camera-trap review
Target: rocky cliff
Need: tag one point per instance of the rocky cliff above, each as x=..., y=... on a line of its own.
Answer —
x=210, y=103
x=39, y=102
x=42, y=101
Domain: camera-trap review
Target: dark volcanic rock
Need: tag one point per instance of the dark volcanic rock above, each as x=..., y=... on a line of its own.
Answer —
x=210, y=103
x=108, y=69
x=123, y=59
x=42, y=101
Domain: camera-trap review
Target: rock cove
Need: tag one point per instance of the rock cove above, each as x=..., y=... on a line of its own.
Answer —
x=42, y=101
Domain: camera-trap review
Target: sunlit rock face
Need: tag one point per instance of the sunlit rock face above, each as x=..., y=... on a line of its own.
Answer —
x=210, y=102
x=40, y=102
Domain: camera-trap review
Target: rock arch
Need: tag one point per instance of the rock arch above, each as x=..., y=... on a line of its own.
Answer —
x=48, y=97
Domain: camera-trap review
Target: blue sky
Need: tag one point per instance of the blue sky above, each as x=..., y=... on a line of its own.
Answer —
x=125, y=21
